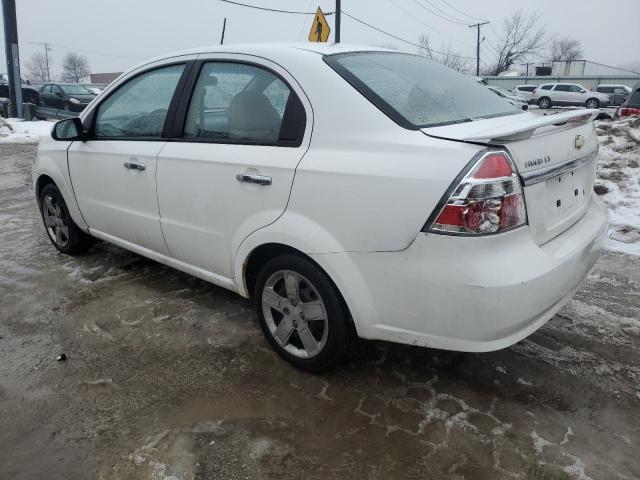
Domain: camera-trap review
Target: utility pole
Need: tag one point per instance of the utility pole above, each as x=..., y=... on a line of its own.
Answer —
x=337, y=24
x=478, y=25
x=13, y=58
x=224, y=27
x=46, y=58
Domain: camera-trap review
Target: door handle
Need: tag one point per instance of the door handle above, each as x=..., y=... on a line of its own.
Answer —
x=135, y=165
x=257, y=179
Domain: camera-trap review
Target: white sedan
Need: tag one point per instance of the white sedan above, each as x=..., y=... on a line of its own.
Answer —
x=350, y=191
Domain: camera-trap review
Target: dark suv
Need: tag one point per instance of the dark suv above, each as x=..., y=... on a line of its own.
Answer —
x=617, y=93
x=70, y=97
x=29, y=94
x=631, y=105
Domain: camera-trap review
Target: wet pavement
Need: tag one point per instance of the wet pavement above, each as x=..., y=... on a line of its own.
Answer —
x=168, y=377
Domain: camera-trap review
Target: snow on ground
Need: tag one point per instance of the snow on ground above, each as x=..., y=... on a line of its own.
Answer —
x=618, y=181
x=14, y=130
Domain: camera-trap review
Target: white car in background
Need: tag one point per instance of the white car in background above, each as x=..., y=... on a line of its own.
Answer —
x=515, y=100
x=349, y=191
x=525, y=91
x=550, y=95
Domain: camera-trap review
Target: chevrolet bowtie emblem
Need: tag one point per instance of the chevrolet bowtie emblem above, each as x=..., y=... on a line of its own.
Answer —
x=578, y=142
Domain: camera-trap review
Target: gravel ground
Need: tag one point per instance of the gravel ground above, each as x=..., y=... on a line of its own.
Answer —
x=168, y=378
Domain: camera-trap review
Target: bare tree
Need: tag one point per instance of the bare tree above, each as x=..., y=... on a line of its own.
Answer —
x=564, y=48
x=37, y=67
x=522, y=39
x=75, y=67
x=446, y=56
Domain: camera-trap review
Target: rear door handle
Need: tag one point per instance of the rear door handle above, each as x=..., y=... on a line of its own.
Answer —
x=135, y=165
x=257, y=179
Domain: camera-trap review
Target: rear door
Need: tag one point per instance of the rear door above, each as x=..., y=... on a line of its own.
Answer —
x=229, y=172
x=114, y=171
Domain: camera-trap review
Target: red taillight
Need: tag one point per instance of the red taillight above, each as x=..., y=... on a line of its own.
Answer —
x=627, y=112
x=494, y=166
x=489, y=199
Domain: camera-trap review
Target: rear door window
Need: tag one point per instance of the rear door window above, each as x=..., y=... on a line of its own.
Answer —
x=417, y=92
x=242, y=103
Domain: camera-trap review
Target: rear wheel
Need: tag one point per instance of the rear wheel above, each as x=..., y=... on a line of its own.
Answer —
x=544, y=102
x=65, y=235
x=592, y=103
x=302, y=314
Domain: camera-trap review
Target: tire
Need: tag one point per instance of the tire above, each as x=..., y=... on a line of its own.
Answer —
x=63, y=233
x=289, y=291
x=592, y=103
x=544, y=102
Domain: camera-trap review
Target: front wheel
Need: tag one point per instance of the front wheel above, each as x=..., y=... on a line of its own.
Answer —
x=65, y=235
x=302, y=314
x=592, y=103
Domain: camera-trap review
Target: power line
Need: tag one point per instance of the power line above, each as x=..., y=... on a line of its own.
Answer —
x=434, y=13
x=463, y=13
x=401, y=39
x=275, y=10
x=457, y=20
x=66, y=47
x=429, y=26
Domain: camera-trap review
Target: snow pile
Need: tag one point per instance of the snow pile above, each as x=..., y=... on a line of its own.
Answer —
x=618, y=181
x=14, y=130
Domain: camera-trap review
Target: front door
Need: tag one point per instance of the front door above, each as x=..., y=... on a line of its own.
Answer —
x=113, y=172
x=231, y=171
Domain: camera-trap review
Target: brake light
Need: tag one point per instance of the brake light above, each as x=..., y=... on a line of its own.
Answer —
x=627, y=112
x=489, y=199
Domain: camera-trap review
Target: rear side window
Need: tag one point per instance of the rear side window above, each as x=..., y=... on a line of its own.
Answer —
x=546, y=87
x=417, y=92
x=242, y=103
x=139, y=107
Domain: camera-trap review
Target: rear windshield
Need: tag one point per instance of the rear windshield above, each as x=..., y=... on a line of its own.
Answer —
x=417, y=92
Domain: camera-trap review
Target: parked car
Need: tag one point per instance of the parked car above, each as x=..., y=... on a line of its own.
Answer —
x=567, y=94
x=424, y=209
x=524, y=91
x=514, y=100
x=95, y=90
x=70, y=97
x=631, y=105
x=617, y=93
x=29, y=94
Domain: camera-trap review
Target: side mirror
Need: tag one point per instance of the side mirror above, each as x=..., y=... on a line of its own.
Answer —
x=68, y=129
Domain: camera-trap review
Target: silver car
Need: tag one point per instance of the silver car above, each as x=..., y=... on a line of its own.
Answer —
x=567, y=94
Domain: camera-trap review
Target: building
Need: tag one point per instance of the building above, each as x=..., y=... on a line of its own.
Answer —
x=103, y=78
x=573, y=68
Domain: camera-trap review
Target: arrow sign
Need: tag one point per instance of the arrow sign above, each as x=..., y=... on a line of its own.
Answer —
x=320, y=28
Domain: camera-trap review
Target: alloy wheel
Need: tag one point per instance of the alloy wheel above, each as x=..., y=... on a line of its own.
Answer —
x=592, y=104
x=295, y=314
x=54, y=221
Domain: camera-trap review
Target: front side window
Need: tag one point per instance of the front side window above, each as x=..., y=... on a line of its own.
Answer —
x=546, y=87
x=620, y=90
x=139, y=107
x=576, y=88
x=417, y=92
x=562, y=88
x=76, y=90
x=237, y=102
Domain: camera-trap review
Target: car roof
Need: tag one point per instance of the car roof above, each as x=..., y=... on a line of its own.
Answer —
x=612, y=85
x=273, y=50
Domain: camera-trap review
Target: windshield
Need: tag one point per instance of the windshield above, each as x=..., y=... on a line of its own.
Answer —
x=417, y=92
x=75, y=90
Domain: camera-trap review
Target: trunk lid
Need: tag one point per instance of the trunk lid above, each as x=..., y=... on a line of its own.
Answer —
x=555, y=156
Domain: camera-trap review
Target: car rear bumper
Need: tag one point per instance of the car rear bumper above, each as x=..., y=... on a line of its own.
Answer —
x=468, y=294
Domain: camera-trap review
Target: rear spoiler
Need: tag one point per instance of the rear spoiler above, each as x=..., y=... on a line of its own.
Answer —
x=524, y=129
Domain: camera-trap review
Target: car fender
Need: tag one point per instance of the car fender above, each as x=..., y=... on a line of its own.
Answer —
x=52, y=162
x=323, y=249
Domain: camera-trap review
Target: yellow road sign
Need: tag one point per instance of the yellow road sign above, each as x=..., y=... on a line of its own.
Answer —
x=320, y=28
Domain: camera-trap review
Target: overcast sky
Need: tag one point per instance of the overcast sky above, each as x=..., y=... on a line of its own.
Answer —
x=117, y=34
